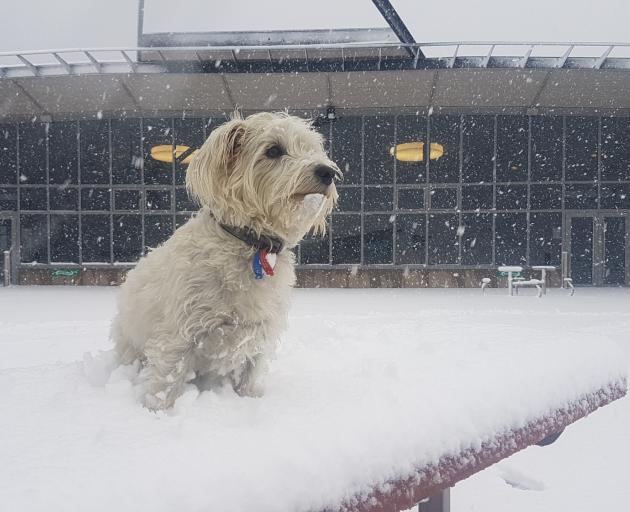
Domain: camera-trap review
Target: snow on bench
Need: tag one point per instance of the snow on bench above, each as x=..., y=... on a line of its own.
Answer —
x=348, y=422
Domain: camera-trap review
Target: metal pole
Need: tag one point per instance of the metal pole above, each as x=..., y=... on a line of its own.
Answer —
x=140, y=22
x=437, y=503
x=7, y=268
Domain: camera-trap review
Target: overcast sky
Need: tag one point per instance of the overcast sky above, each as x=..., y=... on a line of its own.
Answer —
x=47, y=24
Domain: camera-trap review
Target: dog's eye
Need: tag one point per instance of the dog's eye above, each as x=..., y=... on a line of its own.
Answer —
x=274, y=152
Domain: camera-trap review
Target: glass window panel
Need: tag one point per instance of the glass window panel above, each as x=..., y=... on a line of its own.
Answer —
x=410, y=198
x=127, y=199
x=158, y=199
x=443, y=239
x=512, y=144
x=477, y=239
x=581, y=148
x=378, y=231
x=127, y=238
x=33, y=198
x=478, y=149
x=347, y=151
x=615, y=196
x=410, y=239
x=95, y=238
x=545, y=197
x=349, y=199
x=615, y=148
x=183, y=202
x=94, y=152
x=126, y=151
x=477, y=197
x=34, y=238
x=95, y=199
x=545, y=238
x=157, y=132
x=188, y=132
x=64, y=238
x=580, y=196
x=443, y=198
x=314, y=250
x=378, y=199
x=511, y=197
x=410, y=129
x=546, y=148
x=33, y=153
x=63, y=151
x=614, y=251
x=8, y=198
x=510, y=238
x=582, y=238
x=8, y=154
x=157, y=229
x=64, y=198
x=379, y=138
x=346, y=238
x=445, y=130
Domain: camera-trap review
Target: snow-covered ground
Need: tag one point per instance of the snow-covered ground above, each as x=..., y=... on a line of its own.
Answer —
x=367, y=384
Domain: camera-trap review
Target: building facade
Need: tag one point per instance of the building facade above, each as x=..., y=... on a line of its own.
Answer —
x=533, y=166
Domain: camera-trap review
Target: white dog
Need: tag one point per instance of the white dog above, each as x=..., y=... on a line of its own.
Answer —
x=212, y=301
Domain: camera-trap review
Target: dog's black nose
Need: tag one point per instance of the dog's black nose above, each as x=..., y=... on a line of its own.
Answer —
x=325, y=174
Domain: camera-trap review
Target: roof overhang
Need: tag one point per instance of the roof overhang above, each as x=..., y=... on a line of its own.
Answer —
x=462, y=90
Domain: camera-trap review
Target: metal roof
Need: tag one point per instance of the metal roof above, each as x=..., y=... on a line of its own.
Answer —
x=478, y=76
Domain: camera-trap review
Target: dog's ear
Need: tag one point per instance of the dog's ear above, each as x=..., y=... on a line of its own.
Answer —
x=227, y=143
x=214, y=161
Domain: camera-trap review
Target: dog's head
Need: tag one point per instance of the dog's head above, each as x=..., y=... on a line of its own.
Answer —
x=262, y=172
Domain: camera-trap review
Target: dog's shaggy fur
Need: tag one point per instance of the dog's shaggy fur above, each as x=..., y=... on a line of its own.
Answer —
x=192, y=307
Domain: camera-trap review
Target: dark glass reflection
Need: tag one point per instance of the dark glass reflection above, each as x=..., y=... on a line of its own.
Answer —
x=614, y=251
x=95, y=199
x=410, y=198
x=349, y=199
x=410, y=129
x=347, y=150
x=478, y=149
x=379, y=138
x=443, y=198
x=477, y=239
x=512, y=145
x=187, y=132
x=64, y=238
x=443, y=239
x=378, y=199
x=582, y=250
x=545, y=238
x=545, y=197
x=477, y=197
x=34, y=238
x=63, y=159
x=127, y=237
x=580, y=197
x=510, y=238
x=346, y=238
x=127, y=160
x=33, y=147
x=64, y=198
x=581, y=148
x=94, y=152
x=410, y=239
x=615, y=148
x=546, y=148
x=8, y=155
x=445, y=130
x=378, y=239
x=95, y=238
x=511, y=197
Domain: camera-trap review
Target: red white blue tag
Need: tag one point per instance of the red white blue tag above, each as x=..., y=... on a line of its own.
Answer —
x=264, y=263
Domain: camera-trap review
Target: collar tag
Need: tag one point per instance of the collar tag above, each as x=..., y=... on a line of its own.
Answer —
x=263, y=263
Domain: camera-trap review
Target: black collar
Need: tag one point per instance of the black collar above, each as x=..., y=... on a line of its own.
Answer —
x=267, y=243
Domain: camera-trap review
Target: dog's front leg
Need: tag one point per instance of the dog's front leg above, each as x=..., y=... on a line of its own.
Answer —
x=166, y=377
x=249, y=380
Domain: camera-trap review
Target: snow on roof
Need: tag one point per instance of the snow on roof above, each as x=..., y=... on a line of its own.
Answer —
x=364, y=390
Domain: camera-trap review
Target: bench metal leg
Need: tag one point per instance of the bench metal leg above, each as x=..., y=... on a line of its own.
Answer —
x=440, y=502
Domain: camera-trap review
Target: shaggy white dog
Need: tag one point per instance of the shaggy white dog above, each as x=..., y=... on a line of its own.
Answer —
x=212, y=301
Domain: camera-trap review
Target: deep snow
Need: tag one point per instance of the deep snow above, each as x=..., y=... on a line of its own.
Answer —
x=367, y=384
